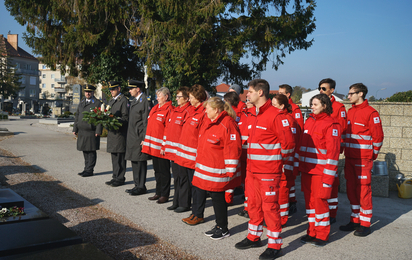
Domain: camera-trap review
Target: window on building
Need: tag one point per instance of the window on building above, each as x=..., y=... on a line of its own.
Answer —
x=52, y=76
x=43, y=85
x=33, y=80
x=52, y=85
x=32, y=92
x=22, y=93
x=44, y=75
x=52, y=95
x=23, y=80
x=44, y=67
x=17, y=65
x=28, y=66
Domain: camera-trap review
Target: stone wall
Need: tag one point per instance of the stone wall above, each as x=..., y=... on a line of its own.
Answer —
x=397, y=145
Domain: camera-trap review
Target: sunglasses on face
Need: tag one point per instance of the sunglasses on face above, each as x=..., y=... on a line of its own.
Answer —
x=351, y=93
x=322, y=88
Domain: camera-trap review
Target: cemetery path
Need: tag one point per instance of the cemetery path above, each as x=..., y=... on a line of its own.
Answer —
x=54, y=154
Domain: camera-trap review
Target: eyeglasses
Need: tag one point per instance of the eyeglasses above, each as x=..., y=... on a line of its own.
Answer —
x=177, y=97
x=351, y=93
x=322, y=88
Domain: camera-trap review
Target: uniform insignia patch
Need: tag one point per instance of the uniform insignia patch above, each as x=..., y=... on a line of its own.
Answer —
x=285, y=122
x=376, y=120
x=335, y=132
x=233, y=137
x=293, y=130
x=343, y=114
x=297, y=115
x=306, y=131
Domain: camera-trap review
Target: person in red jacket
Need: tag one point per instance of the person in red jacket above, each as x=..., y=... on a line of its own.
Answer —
x=318, y=164
x=217, y=162
x=287, y=180
x=327, y=86
x=171, y=138
x=270, y=143
x=233, y=99
x=186, y=152
x=363, y=140
x=152, y=144
x=287, y=90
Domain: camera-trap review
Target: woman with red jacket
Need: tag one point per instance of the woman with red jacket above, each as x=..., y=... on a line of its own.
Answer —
x=217, y=162
x=171, y=142
x=152, y=144
x=318, y=164
x=186, y=151
x=287, y=181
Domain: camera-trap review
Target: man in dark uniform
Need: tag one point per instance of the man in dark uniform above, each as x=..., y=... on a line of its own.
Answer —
x=116, y=139
x=88, y=135
x=138, y=113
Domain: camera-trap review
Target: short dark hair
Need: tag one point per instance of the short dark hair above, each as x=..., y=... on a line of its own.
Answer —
x=184, y=90
x=260, y=84
x=283, y=100
x=324, y=100
x=198, y=91
x=232, y=98
x=331, y=82
x=359, y=87
x=288, y=89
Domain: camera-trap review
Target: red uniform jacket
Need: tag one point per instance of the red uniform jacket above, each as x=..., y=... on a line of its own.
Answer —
x=297, y=134
x=270, y=140
x=173, y=130
x=218, y=153
x=297, y=114
x=156, y=122
x=320, y=146
x=364, y=134
x=339, y=113
x=186, y=152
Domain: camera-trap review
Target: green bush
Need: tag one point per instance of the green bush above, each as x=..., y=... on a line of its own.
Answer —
x=401, y=97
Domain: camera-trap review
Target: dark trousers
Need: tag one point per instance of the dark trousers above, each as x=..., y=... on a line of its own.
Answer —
x=219, y=205
x=162, y=175
x=139, y=174
x=183, y=190
x=119, y=166
x=90, y=158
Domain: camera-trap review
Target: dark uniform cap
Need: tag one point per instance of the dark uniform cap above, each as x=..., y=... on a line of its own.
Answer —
x=135, y=84
x=114, y=84
x=89, y=88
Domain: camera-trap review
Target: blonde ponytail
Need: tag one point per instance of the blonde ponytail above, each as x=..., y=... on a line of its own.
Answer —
x=229, y=110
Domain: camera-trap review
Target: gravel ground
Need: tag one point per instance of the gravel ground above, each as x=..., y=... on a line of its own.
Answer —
x=113, y=234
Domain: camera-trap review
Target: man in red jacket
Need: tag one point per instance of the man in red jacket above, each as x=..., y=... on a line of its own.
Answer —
x=363, y=140
x=287, y=90
x=327, y=86
x=270, y=142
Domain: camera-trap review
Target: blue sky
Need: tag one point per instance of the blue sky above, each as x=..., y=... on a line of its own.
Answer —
x=368, y=41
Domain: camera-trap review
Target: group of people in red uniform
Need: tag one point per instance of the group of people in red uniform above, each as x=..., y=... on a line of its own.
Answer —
x=215, y=146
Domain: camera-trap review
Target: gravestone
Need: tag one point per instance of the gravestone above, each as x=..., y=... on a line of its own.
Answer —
x=77, y=96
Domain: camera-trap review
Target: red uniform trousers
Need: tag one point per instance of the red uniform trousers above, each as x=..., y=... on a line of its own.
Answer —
x=262, y=191
x=317, y=207
x=358, y=187
x=333, y=201
x=287, y=182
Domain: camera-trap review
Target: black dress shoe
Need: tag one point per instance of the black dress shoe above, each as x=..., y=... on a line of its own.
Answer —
x=155, y=197
x=87, y=174
x=81, y=173
x=130, y=190
x=110, y=182
x=162, y=200
x=306, y=239
x=182, y=209
x=137, y=192
x=319, y=242
x=173, y=207
x=246, y=243
x=362, y=231
x=117, y=183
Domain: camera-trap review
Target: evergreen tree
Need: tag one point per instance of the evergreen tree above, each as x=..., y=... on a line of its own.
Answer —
x=9, y=78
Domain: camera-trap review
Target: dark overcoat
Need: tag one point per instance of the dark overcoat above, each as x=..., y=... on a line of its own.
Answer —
x=86, y=133
x=116, y=139
x=138, y=113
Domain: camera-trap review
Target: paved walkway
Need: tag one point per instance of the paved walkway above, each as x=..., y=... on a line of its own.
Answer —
x=55, y=154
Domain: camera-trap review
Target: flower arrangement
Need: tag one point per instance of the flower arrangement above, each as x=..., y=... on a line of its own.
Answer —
x=11, y=212
x=102, y=115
